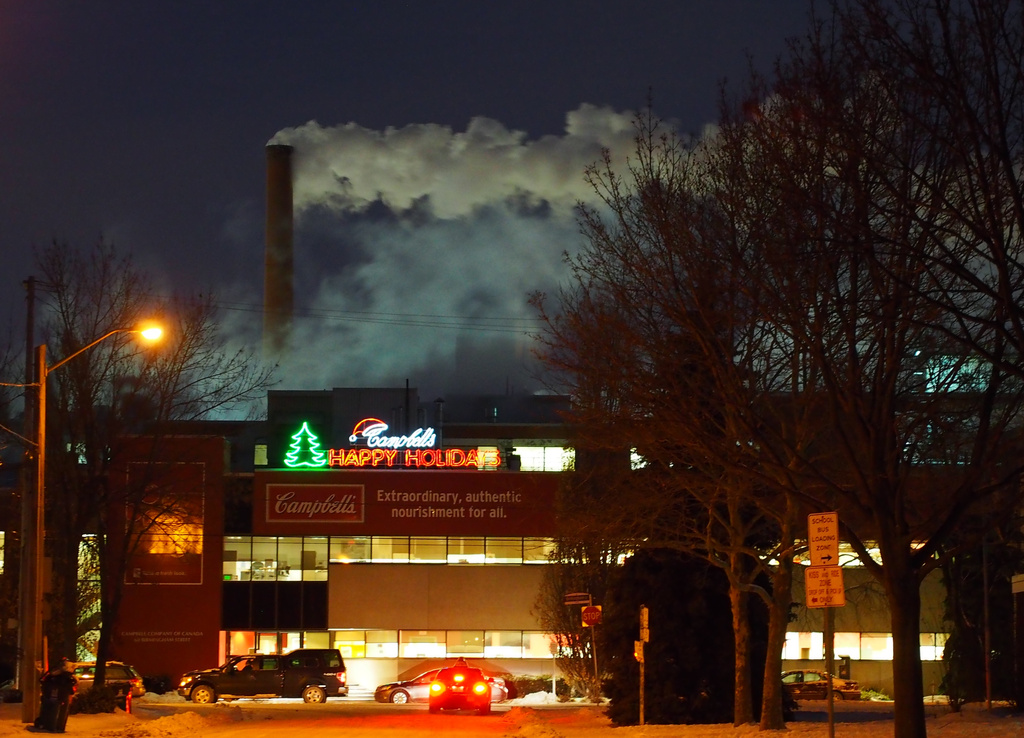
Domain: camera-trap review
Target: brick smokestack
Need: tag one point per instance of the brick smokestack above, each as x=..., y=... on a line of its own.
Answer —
x=278, y=287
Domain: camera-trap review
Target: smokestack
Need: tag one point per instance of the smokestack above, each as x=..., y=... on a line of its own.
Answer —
x=278, y=288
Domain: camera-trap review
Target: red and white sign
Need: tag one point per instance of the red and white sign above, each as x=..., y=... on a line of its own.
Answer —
x=402, y=503
x=315, y=503
x=824, y=586
x=591, y=615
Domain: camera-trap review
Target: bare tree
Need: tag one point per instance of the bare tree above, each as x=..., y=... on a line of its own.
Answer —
x=862, y=223
x=114, y=390
x=662, y=351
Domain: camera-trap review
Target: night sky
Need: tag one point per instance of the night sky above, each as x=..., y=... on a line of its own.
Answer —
x=439, y=153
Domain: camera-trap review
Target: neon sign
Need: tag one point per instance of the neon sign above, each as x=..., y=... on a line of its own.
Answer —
x=381, y=451
x=372, y=431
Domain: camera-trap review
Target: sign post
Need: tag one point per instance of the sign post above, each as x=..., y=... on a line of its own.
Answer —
x=591, y=616
x=823, y=587
x=638, y=648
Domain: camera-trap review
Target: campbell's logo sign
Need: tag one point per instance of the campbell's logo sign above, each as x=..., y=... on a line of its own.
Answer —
x=315, y=503
x=374, y=433
x=376, y=449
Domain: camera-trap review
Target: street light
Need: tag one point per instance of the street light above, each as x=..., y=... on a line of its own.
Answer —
x=30, y=629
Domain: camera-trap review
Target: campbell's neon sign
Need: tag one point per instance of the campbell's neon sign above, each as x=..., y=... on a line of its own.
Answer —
x=411, y=451
x=372, y=430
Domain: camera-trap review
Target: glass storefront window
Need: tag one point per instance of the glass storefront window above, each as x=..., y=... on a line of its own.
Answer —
x=354, y=550
x=241, y=642
x=316, y=639
x=465, y=550
x=290, y=641
x=465, y=642
x=427, y=550
x=422, y=644
x=314, y=559
x=266, y=643
x=504, y=551
x=382, y=644
x=503, y=644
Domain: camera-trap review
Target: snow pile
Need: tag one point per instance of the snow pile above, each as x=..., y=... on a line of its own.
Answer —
x=151, y=697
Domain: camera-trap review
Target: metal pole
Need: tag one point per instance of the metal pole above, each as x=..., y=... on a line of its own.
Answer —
x=988, y=631
x=830, y=665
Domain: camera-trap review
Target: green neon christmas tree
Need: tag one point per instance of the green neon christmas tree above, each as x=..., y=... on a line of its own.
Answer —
x=305, y=449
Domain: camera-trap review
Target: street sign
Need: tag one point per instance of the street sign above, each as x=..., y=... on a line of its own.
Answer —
x=638, y=651
x=645, y=630
x=591, y=615
x=823, y=538
x=578, y=598
x=824, y=586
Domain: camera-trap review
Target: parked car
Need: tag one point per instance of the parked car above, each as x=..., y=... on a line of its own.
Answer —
x=314, y=674
x=417, y=689
x=811, y=684
x=460, y=687
x=119, y=676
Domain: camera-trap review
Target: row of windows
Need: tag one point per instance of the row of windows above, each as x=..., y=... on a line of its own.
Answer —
x=298, y=558
x=858, y=646
x=390, y=644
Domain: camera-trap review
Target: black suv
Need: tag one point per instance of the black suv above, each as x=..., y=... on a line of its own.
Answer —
x=460, y=687
x=311, y=673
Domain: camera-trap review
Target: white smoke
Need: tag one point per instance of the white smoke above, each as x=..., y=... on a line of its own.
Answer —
x=427, y=244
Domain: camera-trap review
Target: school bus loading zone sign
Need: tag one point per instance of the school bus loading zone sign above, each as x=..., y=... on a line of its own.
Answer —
x=824, y=586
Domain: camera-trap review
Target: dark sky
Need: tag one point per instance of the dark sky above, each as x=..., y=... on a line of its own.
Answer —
x=144, y=121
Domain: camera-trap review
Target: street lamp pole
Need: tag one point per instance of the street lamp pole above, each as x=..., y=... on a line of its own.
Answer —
x=33, y=655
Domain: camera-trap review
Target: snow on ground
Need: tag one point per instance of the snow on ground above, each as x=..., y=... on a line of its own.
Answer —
x=533, y=716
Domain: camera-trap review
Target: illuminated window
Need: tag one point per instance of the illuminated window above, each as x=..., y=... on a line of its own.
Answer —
x=422, y=644
x=389, y=549
x=932, y=646
x=427, y=550
x=237, y=560
x=848, y=644
x=538, y=550
x=544, y=458
x=350, y=550
x=876, y=646
x=503, y=644
x=314, y=559
x=466, y=550
x=381, y=644
x=465, y=642
x=504, y=550
x=538, y=645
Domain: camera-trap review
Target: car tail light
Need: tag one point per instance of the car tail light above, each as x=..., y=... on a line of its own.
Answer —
x=437, y=687
x=481, y=688
x=341, y=676
x=459, y=678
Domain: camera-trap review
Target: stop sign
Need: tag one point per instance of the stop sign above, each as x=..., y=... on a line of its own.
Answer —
x=591, y=615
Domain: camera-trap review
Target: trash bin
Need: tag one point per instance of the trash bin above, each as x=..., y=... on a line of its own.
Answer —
x=58, y=686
